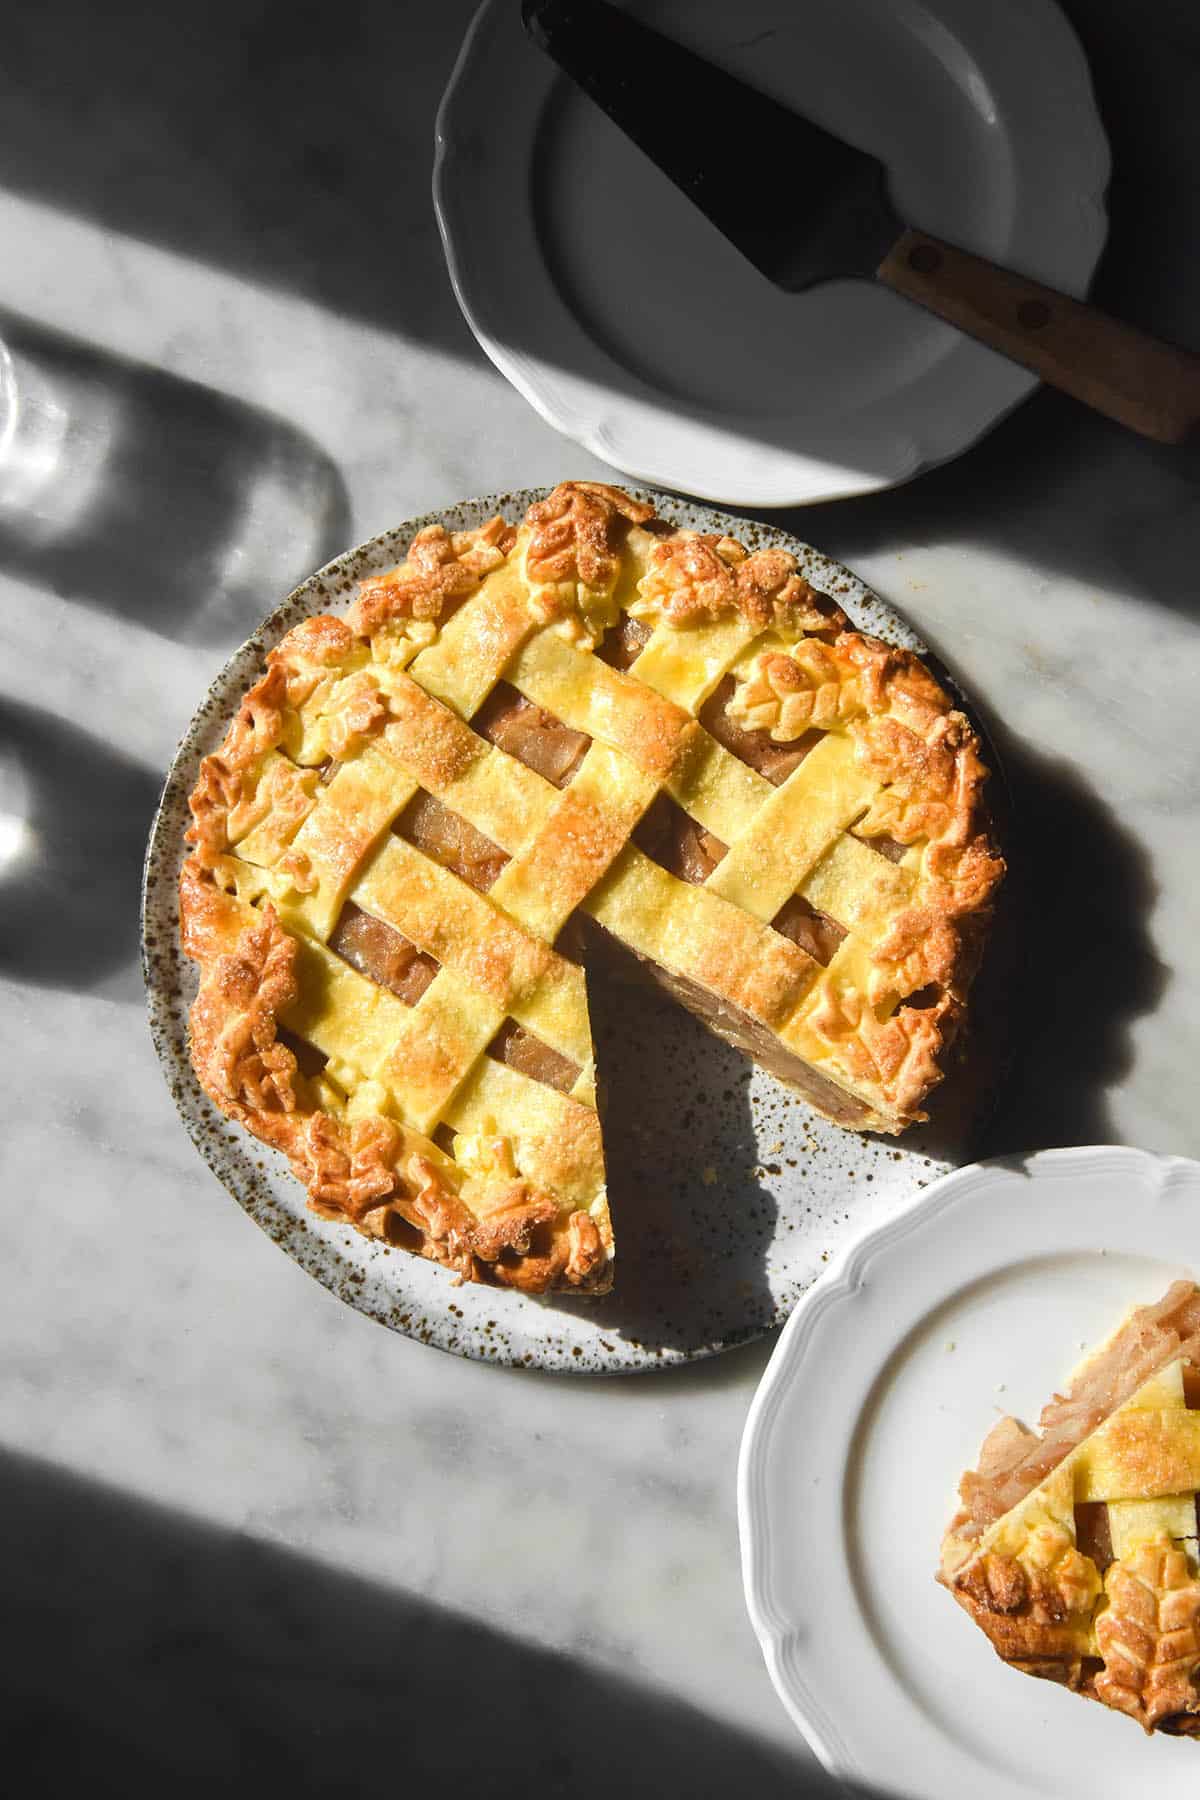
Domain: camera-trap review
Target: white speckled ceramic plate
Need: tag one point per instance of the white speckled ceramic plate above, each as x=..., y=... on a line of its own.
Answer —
x=977, y=1297
x=636, y=329
x=729, y=1194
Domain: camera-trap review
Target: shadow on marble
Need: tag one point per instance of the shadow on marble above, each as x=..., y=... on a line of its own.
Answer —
x=143, y=1647
x=287, y=143
x=156, y=498
x=1053, y=489
x=292, y=145
x=74, y=814
x=1086, y=969
x=1145, y=63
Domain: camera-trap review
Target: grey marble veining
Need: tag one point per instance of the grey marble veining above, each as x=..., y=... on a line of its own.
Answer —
x=311, y=1544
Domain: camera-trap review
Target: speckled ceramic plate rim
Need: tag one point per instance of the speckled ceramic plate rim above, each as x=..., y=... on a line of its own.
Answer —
x=981, y=388
x=439, y=1315
x=807, y=1665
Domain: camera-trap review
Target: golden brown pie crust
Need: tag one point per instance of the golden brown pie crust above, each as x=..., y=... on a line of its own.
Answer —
x=413, y=802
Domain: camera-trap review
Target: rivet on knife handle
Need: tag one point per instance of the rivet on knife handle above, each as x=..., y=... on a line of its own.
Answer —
x=1149, y=385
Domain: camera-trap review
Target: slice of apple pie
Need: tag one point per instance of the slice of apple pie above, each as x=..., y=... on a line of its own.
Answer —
x=1075, y=1549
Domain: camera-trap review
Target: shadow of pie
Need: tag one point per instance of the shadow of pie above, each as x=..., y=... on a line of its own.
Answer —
x=583, y=748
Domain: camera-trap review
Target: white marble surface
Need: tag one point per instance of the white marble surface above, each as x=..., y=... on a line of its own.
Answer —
x=248, y=1532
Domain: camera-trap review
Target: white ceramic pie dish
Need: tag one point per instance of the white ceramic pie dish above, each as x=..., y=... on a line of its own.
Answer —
x=732, y=1194
x=635, y=329
x=976, y=1298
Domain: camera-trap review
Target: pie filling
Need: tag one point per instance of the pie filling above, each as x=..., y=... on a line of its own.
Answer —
x=814, y=931
x=756, y=748
x=672, y=838
x=1075, y=1547
x=382, y=953
x=450, y=840
x=534, y=736
x=736, y=1027
x=623, y=643
x=521, y=1050
x=622, y=744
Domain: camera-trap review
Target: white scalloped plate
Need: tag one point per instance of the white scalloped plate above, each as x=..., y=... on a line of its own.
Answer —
x=632, y=326
x=977, y=1298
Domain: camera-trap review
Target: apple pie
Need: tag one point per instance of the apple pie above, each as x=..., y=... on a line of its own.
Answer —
x=1075, y=1548
x=531, y=751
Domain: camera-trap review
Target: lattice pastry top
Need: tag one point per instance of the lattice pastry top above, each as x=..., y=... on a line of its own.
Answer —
x=1076, y=1549
x=592, y=718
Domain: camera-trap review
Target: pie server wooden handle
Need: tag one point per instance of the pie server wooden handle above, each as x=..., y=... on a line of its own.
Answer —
x=1149, y=385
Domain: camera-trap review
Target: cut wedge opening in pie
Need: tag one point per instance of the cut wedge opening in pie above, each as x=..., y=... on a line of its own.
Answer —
x=586, y=738
x=1075, y=1548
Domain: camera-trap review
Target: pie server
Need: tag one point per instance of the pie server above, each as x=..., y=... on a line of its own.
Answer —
x=731, y=148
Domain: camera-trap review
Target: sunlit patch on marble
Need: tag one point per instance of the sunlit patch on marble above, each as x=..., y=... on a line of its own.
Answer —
x=18, y=840
x=729, y=1194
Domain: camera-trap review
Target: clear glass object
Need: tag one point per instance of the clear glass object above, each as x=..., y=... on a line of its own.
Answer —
x=155, y=497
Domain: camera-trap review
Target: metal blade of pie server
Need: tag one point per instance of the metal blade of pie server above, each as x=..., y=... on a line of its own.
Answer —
x=799, y=203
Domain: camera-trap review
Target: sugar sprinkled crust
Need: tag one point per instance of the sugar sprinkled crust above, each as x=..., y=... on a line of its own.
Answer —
x=360, y=768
